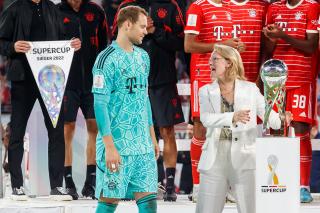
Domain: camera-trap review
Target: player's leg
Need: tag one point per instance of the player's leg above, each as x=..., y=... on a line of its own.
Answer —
x=303, y=131
x=299, y=102
x=170, y=160
x=143, y=182
x=111, y=186
x=92, y=130
x=107, y=205
x=146, y=202
x=198, y=139
x=167, y=111
x=71, y=106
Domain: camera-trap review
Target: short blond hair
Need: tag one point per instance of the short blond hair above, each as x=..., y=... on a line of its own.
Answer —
x=236, y=69
x=130, y=13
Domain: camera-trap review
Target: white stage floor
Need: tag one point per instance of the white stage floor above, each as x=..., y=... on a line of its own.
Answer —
x=44, y=205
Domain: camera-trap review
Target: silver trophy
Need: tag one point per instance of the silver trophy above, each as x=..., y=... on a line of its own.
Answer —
x=274, y=74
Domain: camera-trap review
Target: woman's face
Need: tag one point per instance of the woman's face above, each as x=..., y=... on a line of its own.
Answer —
x=218, y=65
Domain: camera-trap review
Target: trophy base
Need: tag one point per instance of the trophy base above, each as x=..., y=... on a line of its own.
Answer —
x=273, y=133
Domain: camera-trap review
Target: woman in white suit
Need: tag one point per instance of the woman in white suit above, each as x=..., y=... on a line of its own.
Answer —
x=228, y=109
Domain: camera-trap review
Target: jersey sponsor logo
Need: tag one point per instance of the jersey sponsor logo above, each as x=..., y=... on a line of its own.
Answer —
x=135, y=83
x=298, y=15
x=162, y=13
x=89, y=17
x=236, y=30
x=98, y=81
x=218, y=32
x=192, y=20
x=282, y=24
x=131, y=83
x=252, y=13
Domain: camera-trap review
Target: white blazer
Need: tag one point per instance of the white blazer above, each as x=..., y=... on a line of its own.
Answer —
x=246, y=96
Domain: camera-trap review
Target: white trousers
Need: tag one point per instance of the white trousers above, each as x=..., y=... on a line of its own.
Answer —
x=214, y=185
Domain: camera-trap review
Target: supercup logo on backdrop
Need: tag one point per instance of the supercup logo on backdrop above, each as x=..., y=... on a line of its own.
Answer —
x=274, y=185
x=272, y=165
x=50, y=62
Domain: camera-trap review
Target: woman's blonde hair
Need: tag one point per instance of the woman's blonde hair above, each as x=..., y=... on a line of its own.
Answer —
x=235, y=70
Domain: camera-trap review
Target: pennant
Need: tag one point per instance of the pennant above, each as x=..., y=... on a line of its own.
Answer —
x=50, y=62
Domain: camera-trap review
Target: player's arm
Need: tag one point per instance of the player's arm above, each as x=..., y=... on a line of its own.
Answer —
x=192, y=45
x=103, y=81
x=154, y=142
x=170, y=37
x=7, y=46
x=103, y=32
x=307, y=45
x=267, y=45
x=192, y=30
x=167, y=39
x=146, y=59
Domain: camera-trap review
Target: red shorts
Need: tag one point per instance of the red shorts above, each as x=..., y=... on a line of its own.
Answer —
x=195, y=86
x=194, y=99
x=301, y=102
x=193, y=61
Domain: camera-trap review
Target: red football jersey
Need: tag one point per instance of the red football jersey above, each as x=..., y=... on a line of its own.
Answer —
x=296, y=21
x=248, y=20
x=212, y=22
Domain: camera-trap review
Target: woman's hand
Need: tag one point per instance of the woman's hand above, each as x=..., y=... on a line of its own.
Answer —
x=241, y=116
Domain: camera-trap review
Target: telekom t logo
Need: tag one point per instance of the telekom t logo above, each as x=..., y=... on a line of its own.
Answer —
x=282, y=24
x=218, y=32
x=236, y=30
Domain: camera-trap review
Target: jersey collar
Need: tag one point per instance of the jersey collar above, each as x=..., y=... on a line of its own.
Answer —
x=215, y=4
x=292, y=7
x=239, y=3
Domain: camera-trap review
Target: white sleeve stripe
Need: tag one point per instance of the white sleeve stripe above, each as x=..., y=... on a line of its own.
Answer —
x=191, y=32
x=312, y=31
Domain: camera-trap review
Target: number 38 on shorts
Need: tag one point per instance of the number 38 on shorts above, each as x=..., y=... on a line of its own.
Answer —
x=301, y=102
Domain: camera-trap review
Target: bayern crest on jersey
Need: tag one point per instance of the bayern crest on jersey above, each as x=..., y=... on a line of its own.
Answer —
x=298, y=15
x=252, y=13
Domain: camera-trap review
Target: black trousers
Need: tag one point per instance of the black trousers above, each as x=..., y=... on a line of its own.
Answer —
x=23, y=96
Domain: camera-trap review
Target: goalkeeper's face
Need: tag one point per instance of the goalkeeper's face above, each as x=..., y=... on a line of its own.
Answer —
x=138, y=30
